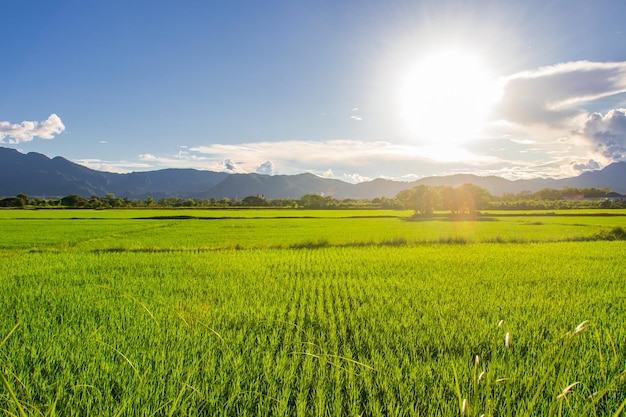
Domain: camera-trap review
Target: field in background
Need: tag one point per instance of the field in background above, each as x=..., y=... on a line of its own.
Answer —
x=282, y=312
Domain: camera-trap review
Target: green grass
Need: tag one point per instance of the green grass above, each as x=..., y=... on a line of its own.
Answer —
x=311, y=316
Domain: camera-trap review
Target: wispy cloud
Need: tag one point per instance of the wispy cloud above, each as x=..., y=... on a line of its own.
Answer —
x=309, y=154
x=356, y=161
x=114, y=166
x=14, y=133
x=347, y=160
x=187, y=159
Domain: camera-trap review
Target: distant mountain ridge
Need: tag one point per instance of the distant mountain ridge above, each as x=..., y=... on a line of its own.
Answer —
x=37, y=175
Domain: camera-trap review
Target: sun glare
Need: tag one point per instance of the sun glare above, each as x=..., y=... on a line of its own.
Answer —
x=446, y=96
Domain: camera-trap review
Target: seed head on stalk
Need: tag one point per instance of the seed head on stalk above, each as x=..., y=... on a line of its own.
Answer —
x=581, y=327
x=507, y=340
x=480, y=377
x=566, y=390
x=464, y=407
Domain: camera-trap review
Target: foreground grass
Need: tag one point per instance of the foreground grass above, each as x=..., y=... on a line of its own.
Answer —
x=275, y=328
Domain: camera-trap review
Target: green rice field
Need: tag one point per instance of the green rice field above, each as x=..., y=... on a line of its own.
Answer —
x=311, y=313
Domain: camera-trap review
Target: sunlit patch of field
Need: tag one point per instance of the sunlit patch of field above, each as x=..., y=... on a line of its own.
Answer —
x=312, y=316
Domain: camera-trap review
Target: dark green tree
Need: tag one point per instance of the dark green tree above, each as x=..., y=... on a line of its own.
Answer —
x=73, y=200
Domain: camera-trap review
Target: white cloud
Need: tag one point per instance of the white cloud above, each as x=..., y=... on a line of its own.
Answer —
x=352, y=178
x=28, y=130
x=327, y=174
x=523, y=141
x=149, y=157
x=119, y=167
x=550, y=109
x=312, y=154
x=230, y=166
x=554, y=95
x=607, y=133
x=355, y=178
x=347, y=160
x=356, y=161
x=266, y=168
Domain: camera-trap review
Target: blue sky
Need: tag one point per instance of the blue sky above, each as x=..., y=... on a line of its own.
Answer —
x=353, y=90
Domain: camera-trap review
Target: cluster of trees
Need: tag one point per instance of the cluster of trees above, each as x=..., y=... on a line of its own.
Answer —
x=469, y=198
x=423, y=199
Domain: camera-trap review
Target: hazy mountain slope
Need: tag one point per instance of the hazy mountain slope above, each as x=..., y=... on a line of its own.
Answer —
x=612, y=176
x=278, y=186
x=166, y=182
x=37, y=175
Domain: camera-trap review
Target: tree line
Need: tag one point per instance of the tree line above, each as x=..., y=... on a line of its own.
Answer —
x=310, y=201
x=423, y=199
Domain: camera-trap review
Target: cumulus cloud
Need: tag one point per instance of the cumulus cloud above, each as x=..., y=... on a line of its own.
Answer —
x=607, y=133
x=589, y=165
x=327, y=174
x=232, y=167
x=266, y=168
x=149, y=157
x=13, y=133
x=553, y=95
x=355, y=178
x=352, y=178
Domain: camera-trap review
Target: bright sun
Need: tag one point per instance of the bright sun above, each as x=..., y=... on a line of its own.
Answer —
x=446, y=96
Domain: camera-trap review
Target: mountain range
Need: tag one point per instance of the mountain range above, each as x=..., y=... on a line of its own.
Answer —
x=37, y=175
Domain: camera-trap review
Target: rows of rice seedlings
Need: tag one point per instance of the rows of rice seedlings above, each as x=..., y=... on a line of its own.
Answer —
x=372, y=330
x=194, y=234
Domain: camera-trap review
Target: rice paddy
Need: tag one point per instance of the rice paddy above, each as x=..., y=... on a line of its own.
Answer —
x=319, y=313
